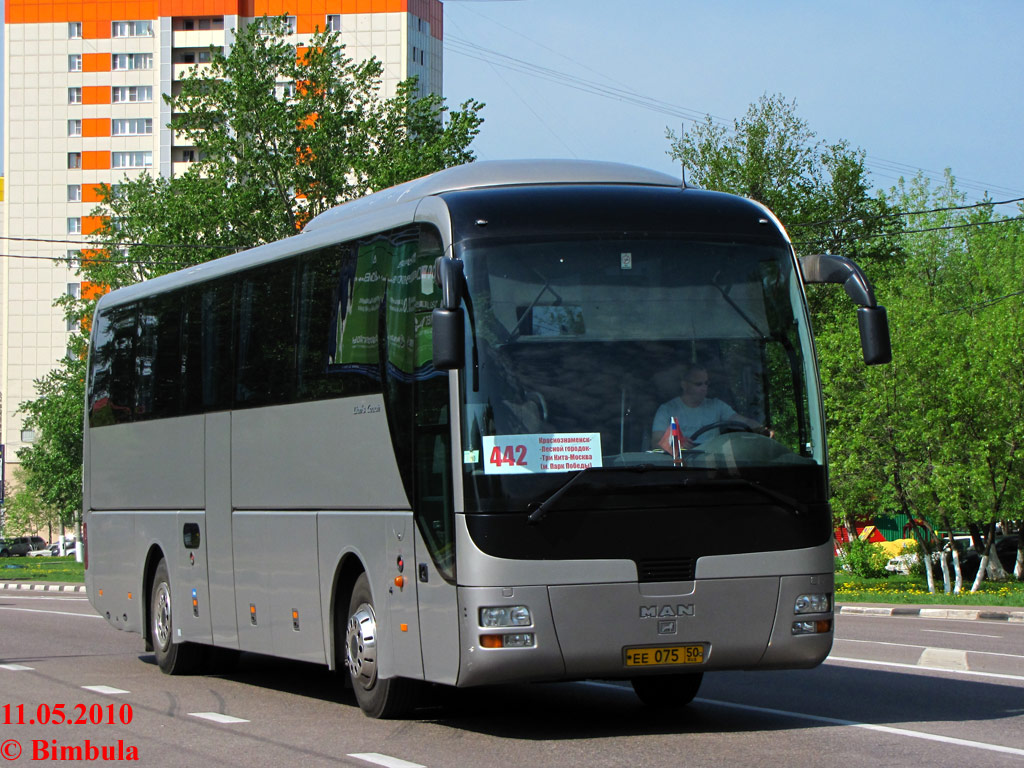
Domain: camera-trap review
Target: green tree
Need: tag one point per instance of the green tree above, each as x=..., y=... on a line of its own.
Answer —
x=281, y=135
x=269, y=158
x=51, y=467
x=822, y=194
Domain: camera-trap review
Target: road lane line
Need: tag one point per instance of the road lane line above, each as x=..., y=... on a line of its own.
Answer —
x=918, y=668
x=966, y=634
x=16, y=668
x=59, y=613
x=870, y=727
x=386, y=760
x=911, y=645
x=106, y=690
x=218, y=717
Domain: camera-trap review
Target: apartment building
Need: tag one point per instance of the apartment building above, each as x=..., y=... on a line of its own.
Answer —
x=83, y=106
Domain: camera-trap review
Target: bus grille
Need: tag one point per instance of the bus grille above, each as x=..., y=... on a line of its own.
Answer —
x=674, y=569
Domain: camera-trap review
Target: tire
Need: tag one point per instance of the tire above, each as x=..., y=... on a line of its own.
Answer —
x=666, y=691
x=172, y=658
x=376, y=696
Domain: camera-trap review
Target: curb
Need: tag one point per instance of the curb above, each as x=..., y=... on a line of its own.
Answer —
x=987, y=614
x=40, y=586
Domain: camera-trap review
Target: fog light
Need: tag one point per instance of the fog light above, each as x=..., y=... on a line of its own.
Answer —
x=812, y=627
x=520, y=640
x=816, y=603
x=506, y=616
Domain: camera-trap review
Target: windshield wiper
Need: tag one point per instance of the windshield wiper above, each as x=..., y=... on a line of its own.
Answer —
x=542, y=510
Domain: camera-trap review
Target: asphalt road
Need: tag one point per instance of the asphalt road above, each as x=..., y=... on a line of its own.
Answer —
x=897, y=691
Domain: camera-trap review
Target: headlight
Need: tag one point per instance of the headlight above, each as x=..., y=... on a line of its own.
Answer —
x=816, y=603
x=506, y=616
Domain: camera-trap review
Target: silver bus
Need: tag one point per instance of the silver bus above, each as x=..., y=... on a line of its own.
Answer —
x=418, y=440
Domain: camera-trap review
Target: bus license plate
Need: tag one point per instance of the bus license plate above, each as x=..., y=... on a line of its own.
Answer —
x=664, y=655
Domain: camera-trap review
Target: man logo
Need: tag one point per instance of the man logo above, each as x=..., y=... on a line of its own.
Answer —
x=666, y=611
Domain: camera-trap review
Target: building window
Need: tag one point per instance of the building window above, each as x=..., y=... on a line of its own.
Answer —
x=74, y=95
x=127, y=93
x=74, y=193
x=74, y=127
x=120, y=61
x=142, y=28
x=75, y=62
x=334, y=22
x=292, y=25
x=74, y=225
x=73, y=257
x=131, y=159
x=75, y=292
x=74, y=30
x=141, y=126
x=74, y=159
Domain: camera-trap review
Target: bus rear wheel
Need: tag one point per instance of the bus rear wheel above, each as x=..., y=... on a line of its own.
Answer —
x=378, y=697
x=667, y=690
x=172, y=658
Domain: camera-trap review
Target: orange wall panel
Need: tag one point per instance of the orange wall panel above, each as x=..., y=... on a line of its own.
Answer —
x=93, y=127
x=96, y=94
x=91, y=193
x=95, y=62
x=92, y=224
x=96, y=160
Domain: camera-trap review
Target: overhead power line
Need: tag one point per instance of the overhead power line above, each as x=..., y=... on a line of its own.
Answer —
x=880, y=166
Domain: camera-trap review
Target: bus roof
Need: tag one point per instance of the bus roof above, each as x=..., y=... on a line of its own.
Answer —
x=497, y=173
x=479, y=175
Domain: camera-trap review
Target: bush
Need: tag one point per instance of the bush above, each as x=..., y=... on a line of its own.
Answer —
x=865, y=559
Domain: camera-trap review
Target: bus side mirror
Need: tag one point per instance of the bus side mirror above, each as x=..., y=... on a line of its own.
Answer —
x=871, y=318
x=448, y=330
x=449, y=339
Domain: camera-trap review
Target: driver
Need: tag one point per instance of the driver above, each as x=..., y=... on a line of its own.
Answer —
x=694, y=410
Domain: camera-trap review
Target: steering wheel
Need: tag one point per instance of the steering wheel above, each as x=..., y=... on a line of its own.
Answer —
x=731, y=426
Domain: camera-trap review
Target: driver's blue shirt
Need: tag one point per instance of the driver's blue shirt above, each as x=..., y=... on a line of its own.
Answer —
x=692, y=419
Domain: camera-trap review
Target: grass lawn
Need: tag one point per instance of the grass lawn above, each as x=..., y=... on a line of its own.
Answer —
x=41, y=569
x=914, y=589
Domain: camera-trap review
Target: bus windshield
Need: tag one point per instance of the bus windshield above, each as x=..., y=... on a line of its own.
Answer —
x=580, y=353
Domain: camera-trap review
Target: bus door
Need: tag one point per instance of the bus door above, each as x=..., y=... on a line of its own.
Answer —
x=435, y=533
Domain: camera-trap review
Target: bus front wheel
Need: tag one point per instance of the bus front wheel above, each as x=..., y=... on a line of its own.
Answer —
x=667, y=690
x=173, y=658
x=378, y=697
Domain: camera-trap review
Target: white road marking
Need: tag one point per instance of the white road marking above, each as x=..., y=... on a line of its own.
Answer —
x=870, y=727
x=59, y=613
x=943, y=658
x=217, y=717
x=54, y=597
x=386, y=760
x=106, y=690
x=968, y=634
x=919, y=668
x=910, y=645
x=16, y=668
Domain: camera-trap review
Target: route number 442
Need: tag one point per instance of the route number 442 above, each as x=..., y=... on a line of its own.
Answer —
x=510, y=455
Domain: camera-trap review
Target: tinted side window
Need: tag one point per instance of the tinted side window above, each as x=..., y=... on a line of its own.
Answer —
x=266, y=336
x=112, y=366
x=217, y=347
x=159, y=365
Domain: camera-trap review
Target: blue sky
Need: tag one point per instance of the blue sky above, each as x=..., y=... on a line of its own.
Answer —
x=915, y=84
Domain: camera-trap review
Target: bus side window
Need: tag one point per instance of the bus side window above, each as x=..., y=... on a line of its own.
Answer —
x=112, y=383
x=217, y=348
x=266, y=336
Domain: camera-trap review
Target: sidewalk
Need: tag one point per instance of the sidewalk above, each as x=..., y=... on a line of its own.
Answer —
x=41, y=586
x=987, y=612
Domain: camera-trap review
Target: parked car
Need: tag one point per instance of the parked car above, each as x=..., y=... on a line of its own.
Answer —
x=22, y=546
x=65, y=547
